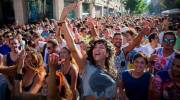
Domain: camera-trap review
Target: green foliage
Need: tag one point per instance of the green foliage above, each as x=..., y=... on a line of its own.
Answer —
x=136, y=6
x=169, y=4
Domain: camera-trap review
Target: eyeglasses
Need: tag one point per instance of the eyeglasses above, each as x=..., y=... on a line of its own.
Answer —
x=169, y=41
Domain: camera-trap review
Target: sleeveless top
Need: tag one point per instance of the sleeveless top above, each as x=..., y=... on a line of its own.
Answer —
x=136, y=88
x=9, y=61
x=27, y=88
x=68, y=78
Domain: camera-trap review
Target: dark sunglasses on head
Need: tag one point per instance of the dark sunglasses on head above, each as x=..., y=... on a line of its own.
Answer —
x=171, y=41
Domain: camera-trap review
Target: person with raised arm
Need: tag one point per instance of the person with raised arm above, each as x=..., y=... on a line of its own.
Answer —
x=121, y=53
x=29, y=74
x=58, y=87
x=96, y=67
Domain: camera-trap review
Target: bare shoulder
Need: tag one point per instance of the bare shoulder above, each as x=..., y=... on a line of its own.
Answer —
x=74, y=68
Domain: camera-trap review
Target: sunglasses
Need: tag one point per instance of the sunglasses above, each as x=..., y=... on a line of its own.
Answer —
x=169, y=41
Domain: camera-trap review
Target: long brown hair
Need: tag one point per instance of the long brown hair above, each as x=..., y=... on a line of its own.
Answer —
x=37, y=63
x=109, y=62
x=64, y=88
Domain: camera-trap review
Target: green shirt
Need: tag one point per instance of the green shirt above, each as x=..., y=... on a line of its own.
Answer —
x=177, y=45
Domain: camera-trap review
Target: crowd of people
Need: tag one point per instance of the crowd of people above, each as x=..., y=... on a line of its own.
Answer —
x=125, y=57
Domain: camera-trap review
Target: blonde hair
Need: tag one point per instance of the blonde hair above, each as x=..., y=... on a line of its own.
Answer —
x=37, y=63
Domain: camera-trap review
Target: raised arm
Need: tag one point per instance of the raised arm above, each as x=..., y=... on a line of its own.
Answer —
x=77, y=55
x=19, y=74
x=7, y=70
x=92, y=28
x=58, y=34
x=137, y=40
x=68, y=9
x=52, y=85
x=58, y=88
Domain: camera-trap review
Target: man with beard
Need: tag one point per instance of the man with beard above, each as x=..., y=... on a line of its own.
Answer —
x=121, y=53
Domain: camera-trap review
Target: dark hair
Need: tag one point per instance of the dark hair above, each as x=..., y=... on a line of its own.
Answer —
x=69, y=52
x=53, y=42
x=31, y=43
x=152, y=36
x=109, y=59
x=177, y=55
x=170, y=33
x=140, y=54
x=116, y=34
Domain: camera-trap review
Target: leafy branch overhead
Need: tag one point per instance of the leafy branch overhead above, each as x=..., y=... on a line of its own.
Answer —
x=135, y=6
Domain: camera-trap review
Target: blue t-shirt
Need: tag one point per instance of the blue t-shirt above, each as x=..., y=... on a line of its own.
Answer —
x=136, y=88
x=5, y=49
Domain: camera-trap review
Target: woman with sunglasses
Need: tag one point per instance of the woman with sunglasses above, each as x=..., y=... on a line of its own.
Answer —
x=163, y=57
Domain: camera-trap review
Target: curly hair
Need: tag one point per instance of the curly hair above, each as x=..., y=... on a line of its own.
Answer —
x=109, y=62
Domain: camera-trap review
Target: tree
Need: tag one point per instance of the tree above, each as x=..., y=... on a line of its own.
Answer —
x=170, y=4
x=135, y=6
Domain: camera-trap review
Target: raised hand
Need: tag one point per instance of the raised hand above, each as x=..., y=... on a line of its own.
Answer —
x=146, y=30
x=68, y=9
x=21, y=59
x=53, y=60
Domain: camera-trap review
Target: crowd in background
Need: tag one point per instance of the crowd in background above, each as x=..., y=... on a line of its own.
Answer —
x=110, y=58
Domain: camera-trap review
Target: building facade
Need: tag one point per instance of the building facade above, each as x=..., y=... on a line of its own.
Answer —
x=24, y=11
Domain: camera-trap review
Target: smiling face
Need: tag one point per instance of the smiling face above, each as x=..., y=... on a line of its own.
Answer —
x=65, y=54
x=140, y=64
x=168, y=41
x=128, y=37
x=14, y=44
x=99, y=52
x=117, y=40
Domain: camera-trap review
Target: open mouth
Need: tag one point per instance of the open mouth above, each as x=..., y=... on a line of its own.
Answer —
x=97, y=54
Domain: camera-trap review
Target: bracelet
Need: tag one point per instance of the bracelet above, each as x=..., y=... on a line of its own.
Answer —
x=18, y=76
